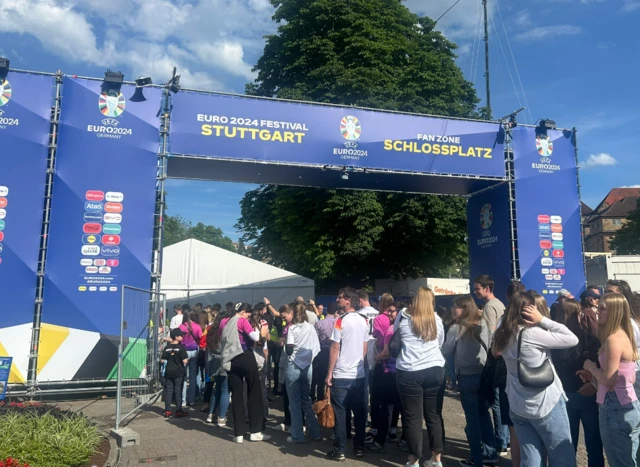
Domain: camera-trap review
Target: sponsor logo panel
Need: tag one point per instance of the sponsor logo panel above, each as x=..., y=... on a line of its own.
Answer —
x=94, y=195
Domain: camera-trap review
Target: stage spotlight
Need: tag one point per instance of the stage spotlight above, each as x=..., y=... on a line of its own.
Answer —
x=112, y=81
x=4, y=68
x=174, y=85
x=138, y=95
x=345, y=175
x=547, y=124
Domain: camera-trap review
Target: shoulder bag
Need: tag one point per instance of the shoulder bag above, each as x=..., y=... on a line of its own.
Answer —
x=395, y=344
x=324, y=411
x=534, y=378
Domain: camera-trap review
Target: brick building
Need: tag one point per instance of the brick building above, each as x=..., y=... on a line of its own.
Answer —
x=608, y=217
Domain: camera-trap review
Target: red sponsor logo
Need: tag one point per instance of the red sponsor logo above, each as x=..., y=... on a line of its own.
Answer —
x=558, y=253
x=92, y=228
x=3, y=203
x=111, y=239
x=556, y=228
x=1, y=236
x=113, y=263
x=562, y=272
x=545, y=244
x=113, y=207
x=543, y=219
x=94, y=195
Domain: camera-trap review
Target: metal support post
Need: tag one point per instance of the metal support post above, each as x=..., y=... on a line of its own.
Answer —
x=574, y=135
x=509, y=163
x=32, y=372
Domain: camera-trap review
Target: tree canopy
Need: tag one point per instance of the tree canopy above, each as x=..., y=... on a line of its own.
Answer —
x=369, y=53
x=177, y=229
x=627, y=239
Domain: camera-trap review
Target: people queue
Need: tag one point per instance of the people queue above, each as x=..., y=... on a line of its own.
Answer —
x=528, y=375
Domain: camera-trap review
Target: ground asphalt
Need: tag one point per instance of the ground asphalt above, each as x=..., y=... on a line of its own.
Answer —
x=191, y=442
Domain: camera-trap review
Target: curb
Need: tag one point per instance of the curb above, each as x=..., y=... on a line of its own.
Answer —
x=113, y=453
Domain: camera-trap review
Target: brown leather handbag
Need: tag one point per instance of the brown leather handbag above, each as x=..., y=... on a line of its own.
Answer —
x=324, y=411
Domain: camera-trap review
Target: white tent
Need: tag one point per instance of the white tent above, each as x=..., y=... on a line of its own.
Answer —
x=194, y=271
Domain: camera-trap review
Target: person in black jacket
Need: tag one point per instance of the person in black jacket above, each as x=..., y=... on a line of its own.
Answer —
x=581, y=406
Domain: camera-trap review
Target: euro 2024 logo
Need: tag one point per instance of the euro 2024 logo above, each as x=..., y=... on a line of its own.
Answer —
x=544, y=146
x=111, y=104
x=351, y=129
x=6, y=91
x=486, y=221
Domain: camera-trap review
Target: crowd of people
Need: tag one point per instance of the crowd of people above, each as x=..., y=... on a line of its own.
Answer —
x=527, y=374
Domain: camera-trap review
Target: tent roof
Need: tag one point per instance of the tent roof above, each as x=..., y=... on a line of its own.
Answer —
x=197, y=265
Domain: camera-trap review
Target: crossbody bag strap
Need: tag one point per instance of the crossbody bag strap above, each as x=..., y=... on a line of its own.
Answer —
x=520, y=343
x=479, y=339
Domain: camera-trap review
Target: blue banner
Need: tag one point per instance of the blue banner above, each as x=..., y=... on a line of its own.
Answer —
x=103, y=207
x=25, y=118
x=5, y=370
x=548, y=212
x=242, y=128
x=490, y=238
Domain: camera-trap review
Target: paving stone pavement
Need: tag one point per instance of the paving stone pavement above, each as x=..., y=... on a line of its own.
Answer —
x=192, y=442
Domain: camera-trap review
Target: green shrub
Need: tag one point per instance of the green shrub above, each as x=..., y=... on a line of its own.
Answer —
x=48, y=438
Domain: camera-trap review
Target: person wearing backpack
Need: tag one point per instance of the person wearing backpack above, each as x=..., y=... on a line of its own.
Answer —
x=467, y=341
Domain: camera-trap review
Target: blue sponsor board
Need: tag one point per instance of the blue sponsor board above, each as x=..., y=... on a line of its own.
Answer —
x=547, y=193
x=5, y=371
x=489, y=237
x=25, y=112
x=242, y=128
x=107, y=152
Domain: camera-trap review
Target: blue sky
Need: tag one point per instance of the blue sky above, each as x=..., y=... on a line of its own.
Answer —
x=577, y=63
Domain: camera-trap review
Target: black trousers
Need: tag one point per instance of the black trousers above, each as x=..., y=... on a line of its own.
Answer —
x=173, y=391
x=320, y=370
x=208, y=390
x=422, y=393
x=378, y=411
x=274, y=354
x=244, y=369
x=389, y=396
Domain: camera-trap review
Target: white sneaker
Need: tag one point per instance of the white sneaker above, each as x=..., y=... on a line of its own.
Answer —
x=259, y=437
x=238, y=439
x=222, y=422
x=210, y=419
x=281, y=427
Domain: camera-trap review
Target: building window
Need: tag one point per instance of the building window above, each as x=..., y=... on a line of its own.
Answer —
x=616, y=221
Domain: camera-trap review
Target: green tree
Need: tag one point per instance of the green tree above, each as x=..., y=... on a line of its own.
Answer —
x=627, y=239
x=177, y=229
x=370, y=53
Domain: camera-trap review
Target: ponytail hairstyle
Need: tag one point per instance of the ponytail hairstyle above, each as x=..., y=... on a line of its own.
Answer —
x=618, y=317
x=299, y=313
x=512, y=319
x=470, y=318
x=423, y=316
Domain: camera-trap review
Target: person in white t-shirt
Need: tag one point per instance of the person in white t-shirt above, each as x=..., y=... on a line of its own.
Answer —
x=346, y=375
x=302, y=347
x=176, y=321
x=366, y=310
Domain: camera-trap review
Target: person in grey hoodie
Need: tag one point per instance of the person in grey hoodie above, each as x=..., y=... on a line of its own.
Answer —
x=468, y=341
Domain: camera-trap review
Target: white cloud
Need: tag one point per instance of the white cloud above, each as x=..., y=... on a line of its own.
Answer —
x=459, y=23
x=58, y=27
x=523, y=19
x=598, y=160
x=630, y=186
x=204, y=38
x=630, y=5
x=548, y=32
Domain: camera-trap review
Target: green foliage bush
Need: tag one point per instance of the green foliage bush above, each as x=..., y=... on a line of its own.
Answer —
x=47, y=438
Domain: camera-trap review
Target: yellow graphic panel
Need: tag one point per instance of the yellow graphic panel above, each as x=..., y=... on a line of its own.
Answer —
x=14, y=375
x=51, y=338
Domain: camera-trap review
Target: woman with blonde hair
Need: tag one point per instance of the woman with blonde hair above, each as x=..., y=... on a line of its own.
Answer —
x=619, y=406
x=420, y=375
x=468, y=340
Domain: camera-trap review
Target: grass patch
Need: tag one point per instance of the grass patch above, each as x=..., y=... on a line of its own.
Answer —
x=45, y=437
